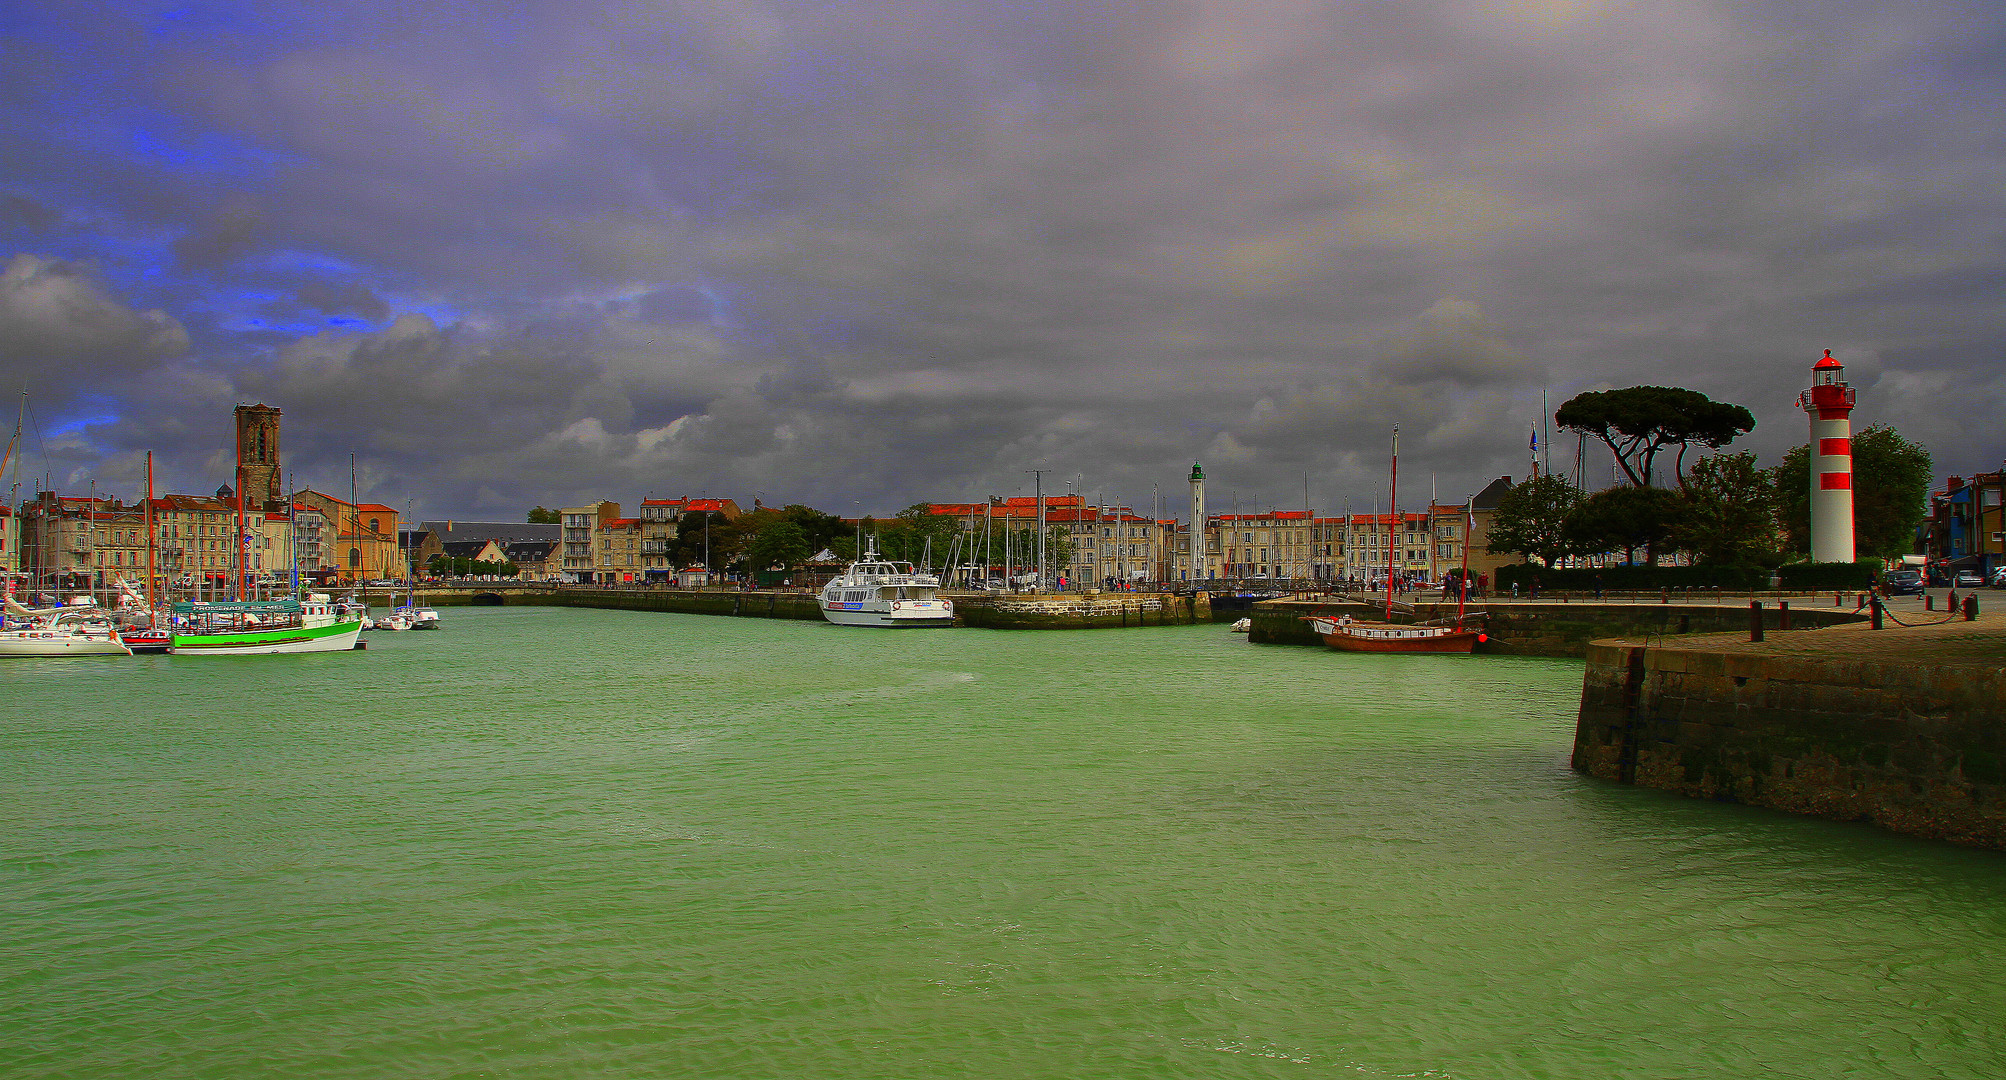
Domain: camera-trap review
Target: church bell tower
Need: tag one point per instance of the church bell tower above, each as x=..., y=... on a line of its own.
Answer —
x=258, y=454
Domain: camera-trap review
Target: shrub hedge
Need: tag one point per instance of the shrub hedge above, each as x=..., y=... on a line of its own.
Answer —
x=1830, y=575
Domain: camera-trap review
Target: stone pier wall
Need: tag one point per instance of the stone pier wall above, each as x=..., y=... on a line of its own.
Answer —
x=1840, y=724
x=1547, y=628
x=1110, y=611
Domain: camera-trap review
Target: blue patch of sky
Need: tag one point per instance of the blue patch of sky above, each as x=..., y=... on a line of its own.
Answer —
x=268, y=326
x=82, y=411
x=232, y=25
x=169, y=141
x=306, y=262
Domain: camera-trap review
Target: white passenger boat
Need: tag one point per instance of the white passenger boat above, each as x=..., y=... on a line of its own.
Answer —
x=254, y=627
x=882, y=592
x=419, y=618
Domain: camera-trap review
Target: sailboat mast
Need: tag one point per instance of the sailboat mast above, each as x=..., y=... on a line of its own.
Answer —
x=243, y=568
x=355, y=530
x=1393, y=530
x=150, y=545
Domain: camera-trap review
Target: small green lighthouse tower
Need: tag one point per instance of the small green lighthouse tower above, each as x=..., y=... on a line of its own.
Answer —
x=1196, y=570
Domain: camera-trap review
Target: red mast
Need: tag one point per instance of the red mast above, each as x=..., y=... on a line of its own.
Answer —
x=1392, y=531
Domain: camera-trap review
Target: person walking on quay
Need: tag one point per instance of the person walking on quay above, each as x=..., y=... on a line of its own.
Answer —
x=1598, y=586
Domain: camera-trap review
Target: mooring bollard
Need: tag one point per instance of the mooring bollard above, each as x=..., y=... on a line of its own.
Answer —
x=1755, y=620
x=1875, y=613
x=1928, y=602
x=1971, y=608
x=1837, y=601
x=1783, y=614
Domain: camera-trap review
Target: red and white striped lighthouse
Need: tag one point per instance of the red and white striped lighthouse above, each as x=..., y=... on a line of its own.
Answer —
x=1830, y=403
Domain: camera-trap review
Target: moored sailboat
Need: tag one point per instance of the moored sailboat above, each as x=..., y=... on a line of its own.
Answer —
x=75, y=631
x=1346, y=634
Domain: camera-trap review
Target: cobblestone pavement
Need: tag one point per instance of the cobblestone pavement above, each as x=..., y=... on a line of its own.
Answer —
x=1931, y=638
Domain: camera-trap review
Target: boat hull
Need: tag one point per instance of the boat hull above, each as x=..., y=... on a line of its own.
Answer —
x=334, y=637
x=1392, y=638
x=58, y=643
x=910, y=615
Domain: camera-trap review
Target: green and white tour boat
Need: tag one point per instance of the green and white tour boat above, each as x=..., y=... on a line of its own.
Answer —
x=251, y=627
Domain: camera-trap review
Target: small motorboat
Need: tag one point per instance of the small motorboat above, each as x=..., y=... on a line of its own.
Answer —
x=1243, y=626
x=147, y=639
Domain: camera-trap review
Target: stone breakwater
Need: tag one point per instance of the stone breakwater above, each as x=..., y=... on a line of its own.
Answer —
x=1547, y=627
x=1904, y=727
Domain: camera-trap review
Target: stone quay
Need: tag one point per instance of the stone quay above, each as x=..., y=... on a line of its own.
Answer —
x=1904, y=727
x=1562, y=626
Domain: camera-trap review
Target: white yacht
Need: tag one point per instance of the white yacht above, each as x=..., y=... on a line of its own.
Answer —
x=881, y=592
x=83, y=630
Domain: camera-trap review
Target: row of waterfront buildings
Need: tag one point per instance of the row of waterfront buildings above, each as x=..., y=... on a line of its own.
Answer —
x=257, y=531
x=1104, y=544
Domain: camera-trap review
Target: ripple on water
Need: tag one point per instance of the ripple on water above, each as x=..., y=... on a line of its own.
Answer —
x=593, y=844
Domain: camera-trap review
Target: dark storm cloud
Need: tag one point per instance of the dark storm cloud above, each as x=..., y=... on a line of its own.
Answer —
x=866, y=254
x=62, y=333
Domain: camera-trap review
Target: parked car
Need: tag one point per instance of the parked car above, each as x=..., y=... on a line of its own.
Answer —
x=1968, y=579
x=1999, y=578
x=1903, y=583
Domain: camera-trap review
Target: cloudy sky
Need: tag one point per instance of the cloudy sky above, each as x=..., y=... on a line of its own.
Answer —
x=868, y=253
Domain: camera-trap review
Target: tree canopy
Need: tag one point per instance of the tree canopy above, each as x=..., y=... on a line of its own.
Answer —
x=1531, y=519
x=726, y=540
x=543, y=515
x=1891, y=481
x=781, y=543
x=1729, y=513
x=1624, y=517
x=1639, y=422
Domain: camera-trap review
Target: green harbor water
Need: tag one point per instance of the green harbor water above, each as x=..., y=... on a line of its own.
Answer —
x=561, y=843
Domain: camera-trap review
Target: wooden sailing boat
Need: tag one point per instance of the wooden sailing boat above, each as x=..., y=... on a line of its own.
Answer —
x=1347, y=634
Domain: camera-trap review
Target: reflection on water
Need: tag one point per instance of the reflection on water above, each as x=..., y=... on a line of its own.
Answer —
x=548, y=842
